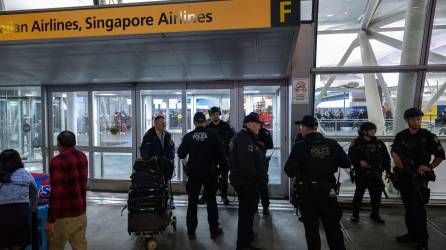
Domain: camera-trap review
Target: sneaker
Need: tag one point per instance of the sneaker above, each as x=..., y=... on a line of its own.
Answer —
x=265, y=211
x=225, y=201
x=354, y=219
x=201, y=201
x=376, y=218
x=191, y=235
x=215, y=234
x=405, y=238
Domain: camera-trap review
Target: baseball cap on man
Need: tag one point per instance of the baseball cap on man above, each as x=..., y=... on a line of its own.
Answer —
x=199, y=117
x=308, y=121
x=252, y=118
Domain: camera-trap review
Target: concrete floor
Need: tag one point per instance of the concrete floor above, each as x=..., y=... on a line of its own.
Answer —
x=107, y=229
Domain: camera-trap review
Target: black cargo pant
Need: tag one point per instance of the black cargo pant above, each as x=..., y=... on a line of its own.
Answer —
x=222, y=186
x=316, y=206
x=415, y=217
x=375, y=188
x=264, y=193
x=248, y=199
x=193, y=188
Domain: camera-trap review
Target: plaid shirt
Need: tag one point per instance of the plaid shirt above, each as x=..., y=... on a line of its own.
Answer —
x=68, y=176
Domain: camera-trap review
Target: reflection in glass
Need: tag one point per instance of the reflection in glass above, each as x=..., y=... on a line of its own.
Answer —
x=113, y=118
x=434, y=103
x=117, y=166
x=20, y=124
x=265, y=101
x=70, y=112
x=203, y=99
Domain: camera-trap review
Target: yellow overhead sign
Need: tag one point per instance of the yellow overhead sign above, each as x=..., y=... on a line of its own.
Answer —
x=145, y=19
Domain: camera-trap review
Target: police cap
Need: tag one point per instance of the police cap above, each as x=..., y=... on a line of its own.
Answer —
x=412, y=112
x=252, y=118
x=199, y=117
x=366, y=126
x=308, y=121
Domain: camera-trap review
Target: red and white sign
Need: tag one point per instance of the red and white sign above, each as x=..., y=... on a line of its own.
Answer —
x=301, y=91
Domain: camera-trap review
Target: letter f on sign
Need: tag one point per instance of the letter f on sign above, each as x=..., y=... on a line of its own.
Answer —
x=283, y=10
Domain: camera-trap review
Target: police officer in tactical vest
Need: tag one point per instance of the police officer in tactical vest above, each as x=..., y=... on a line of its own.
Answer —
x=412, y=151
x=225, y=132
x=317, y=159
x=248, y=175
x=206, y=160
x=369, y=157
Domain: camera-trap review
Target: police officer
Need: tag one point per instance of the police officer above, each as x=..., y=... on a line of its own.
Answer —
x=369, y=158
x=225, y=132
x=412, y=151
x=265, y=142
x=157, y=142
x=206, y=159
x=317, y=159
x=248, y=175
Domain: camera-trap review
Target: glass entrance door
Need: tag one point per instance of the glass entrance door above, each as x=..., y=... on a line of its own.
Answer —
x=268, y=103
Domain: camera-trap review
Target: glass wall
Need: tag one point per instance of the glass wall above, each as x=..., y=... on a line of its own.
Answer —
x=21, y=124
x=70, y=112
x=438, y=40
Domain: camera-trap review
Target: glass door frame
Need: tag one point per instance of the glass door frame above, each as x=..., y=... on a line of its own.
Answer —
x=91, y=148
x=276, y=190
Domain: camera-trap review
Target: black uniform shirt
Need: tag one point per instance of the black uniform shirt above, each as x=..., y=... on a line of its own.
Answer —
x=374, y=152
x=224, y=131
x=266, y=138
x=204, y=149
x=248, y=162
x=302, y=158
x=417, y=149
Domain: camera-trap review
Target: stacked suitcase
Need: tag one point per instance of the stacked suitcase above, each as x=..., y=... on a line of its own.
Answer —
x=147, y=199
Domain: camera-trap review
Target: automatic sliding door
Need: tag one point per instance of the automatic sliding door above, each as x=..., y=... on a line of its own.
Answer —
x=113, y=134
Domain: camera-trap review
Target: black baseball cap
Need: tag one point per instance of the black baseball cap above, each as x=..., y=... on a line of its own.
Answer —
x=308, y=121
x=252, y=118
x=199, y=117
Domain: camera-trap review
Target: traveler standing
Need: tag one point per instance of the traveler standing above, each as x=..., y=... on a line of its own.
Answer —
x=67, y=220
x=18, y=198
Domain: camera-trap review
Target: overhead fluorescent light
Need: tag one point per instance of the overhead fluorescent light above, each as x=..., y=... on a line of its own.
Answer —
x=251, y=92
x=106, y=94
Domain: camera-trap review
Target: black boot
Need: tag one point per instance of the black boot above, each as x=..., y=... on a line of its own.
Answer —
x=265, y=211
x=376, y=218
x=225, y=200
x=405, y=238
x=201, y=201
x=422, y=246
x=355, y=218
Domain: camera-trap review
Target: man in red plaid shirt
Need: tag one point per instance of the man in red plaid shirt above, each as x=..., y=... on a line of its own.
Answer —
x=67, y=220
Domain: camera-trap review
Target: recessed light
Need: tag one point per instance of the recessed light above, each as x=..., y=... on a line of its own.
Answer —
x=330, y=15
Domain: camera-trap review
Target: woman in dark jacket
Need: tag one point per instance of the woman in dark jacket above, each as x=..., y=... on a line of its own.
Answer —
x=18, y=197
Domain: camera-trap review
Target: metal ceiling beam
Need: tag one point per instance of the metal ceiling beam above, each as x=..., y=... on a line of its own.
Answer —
x=390, y=29
x=434, y=98
x=370, y=10
x=397, y=44
x=341, y=63
x=387, y=19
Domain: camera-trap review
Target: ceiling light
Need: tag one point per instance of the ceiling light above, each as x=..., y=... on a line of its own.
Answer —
x=330, y=15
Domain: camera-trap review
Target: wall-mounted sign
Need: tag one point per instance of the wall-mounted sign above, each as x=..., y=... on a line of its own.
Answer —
x=301, y=91
x=146, y=19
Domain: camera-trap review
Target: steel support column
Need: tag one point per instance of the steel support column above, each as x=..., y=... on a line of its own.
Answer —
x=2, y=5
x=410, y=55
x=373, y=100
